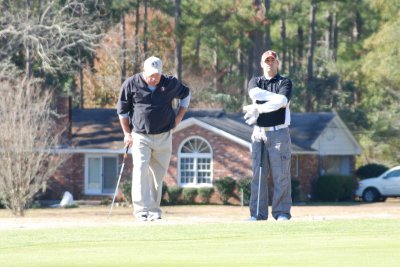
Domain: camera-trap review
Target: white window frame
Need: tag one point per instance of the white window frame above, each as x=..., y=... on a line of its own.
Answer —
x=88, y=191
x=195, y=156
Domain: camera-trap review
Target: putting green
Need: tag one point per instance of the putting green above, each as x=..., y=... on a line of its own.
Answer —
x=362, y=242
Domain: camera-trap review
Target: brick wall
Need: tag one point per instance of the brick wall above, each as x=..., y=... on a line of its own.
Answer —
x=229, y=158
x=307, y=173
x=69, y=177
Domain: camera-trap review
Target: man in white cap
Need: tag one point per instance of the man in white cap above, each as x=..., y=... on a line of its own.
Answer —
x=147, y=118
x=271, y=146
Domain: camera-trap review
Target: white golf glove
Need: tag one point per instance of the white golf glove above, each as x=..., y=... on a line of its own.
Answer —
x=252, y=114
x=258, y=134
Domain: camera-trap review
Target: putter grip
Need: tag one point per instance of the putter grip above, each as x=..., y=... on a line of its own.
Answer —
x=126, y=152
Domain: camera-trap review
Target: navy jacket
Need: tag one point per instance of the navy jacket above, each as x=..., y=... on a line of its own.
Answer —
x=150, y=112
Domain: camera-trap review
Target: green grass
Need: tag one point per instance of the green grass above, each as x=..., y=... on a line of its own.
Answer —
x=363, y=242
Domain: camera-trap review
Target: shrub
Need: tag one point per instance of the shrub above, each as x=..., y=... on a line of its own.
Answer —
x=189, y=194
x=174, y=193
x=126, y=189
x=2, y=206
x=334, y=187
x=244, y=184
x=205, y=193
x=295, y=190
x=370, y=170
x=164, y=193
x=225, y=187
x=105, y=201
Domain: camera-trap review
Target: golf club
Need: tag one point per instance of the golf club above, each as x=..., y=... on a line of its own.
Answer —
x=259, y=177
x=119, y=179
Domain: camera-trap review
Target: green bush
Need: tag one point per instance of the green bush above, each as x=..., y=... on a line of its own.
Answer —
x=105, y=201
x=174, y=193
x=205, y=193
x=244, y=184
x=2, y=206
x=295, y=190
x=164, y=193
x=126, y=189
x=225, y=187
x=370, y=170
x=334, y=187
x=189, y=194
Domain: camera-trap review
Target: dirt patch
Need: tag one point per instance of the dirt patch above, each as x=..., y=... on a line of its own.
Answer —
x=122, y=216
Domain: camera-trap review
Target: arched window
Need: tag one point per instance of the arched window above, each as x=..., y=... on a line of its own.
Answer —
x=195, y=162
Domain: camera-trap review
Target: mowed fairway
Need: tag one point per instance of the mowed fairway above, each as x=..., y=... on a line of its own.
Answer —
x=362, y=241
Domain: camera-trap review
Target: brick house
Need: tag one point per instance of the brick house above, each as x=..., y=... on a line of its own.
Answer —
x=207, y=145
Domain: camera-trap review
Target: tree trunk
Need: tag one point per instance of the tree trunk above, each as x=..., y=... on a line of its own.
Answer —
x=123, y=48
x=81, y=93
x=178, y=37
x=197, y=49
x=310, y=58
x=250, y=60
x=300, y=47
x=145, y=29
x=257, y=38
x=357, y=26
x=283, y=41
x=267, y=39
x=28, y=50
x=327, y=34
x=335, y=32
x=243, y=91
x=136, y=59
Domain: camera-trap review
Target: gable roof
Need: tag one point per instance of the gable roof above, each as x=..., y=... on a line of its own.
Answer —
x=96, y=129
x=99, y=129
x=305, y=128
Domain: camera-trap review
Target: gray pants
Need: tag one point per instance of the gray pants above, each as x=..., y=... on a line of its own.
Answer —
x=276, y=161
x=151, y=155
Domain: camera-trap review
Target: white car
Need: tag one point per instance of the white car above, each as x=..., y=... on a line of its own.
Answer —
x=381, y=187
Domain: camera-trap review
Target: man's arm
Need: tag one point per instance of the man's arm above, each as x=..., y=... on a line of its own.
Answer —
x=274, y=101
x=125, y=125
x=183, y=107
x=179, y=115
x=123, y=107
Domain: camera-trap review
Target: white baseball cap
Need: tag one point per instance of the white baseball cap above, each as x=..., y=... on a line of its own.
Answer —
x=152, y=65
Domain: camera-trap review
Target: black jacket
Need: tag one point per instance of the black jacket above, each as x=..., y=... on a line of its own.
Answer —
x=150, y=112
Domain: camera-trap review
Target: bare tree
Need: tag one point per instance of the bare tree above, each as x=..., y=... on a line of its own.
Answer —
x=179, y=42
x=28, y=142
x=49, y=34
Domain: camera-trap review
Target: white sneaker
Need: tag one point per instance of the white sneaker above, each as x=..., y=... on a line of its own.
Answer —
x=141, y=218
x=154, y=217
x=282, y=218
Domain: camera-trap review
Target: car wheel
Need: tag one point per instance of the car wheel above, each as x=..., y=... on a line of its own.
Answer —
x=370, y=195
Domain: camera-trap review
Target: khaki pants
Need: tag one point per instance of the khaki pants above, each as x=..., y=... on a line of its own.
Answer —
x=151, y=154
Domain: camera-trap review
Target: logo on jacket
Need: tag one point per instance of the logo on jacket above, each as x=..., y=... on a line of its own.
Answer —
x=162, y=89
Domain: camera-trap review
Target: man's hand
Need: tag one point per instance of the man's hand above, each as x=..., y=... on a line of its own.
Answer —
x=252, y=114
x=258, y=134
x=128, y=140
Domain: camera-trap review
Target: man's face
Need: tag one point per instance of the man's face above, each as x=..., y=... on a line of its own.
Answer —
x=270, y=66
x=153, y=79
